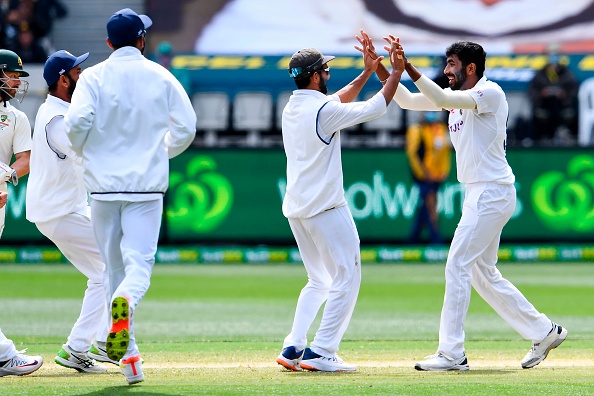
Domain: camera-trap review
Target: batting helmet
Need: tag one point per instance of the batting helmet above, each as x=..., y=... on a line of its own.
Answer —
x=11, y=62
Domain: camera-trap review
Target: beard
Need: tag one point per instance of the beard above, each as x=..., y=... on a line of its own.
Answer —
x=71, y=86
x=5, y=97
x=323, y=87
x=459, y=80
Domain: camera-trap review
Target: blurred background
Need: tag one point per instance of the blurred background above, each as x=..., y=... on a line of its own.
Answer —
x=231, y=57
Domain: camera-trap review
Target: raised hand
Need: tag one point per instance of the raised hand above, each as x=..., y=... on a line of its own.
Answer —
x=370, y=57
x=396, y=51
x=366, y=44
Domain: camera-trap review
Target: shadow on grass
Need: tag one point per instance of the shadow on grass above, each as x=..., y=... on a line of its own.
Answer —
x=488, y=371
x=124, y=390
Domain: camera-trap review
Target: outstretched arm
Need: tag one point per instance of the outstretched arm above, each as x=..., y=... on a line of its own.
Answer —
x=443, y=98
x=352, y=90
x=446, y=99
x=403, y=97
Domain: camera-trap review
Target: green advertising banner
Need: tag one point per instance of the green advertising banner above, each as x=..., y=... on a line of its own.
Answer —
x=234, y=196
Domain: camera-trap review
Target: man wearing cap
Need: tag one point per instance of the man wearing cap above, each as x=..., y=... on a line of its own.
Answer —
x=315, y=205
x=57, y=204
x=128, y=116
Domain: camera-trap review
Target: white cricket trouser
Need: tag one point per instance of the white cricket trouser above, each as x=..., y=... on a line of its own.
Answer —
x=471, y=261
x=127, y=234
x=73, y=235
x=7, y=348
x=329, y=247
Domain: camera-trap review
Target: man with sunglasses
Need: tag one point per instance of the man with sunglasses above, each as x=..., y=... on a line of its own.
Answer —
x=315, y=205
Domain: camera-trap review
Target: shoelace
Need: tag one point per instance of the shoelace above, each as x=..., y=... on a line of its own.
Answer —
x=20, y=359
x=434, y=356
x=438, y=355
x=534, y=346
x=335, y=359
x=84, y=360
x=554, y=330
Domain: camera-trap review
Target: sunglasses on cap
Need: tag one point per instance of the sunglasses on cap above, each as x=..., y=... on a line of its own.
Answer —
x=299, y=72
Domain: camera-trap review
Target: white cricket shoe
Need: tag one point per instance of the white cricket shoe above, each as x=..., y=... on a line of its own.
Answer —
x=441, y=362
x=20, y=364
x=313, y=362
x=132, y=369
x=79, y=361
x=541, y=349
x=99, y=353
x=290, y=358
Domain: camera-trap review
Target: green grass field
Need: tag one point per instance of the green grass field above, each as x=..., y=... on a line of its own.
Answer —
x=216, y=330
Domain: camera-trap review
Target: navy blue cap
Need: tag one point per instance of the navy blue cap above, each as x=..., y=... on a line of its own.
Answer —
x=125, y=25
x=59, y=63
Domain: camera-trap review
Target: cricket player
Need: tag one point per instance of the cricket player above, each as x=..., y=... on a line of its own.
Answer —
x=13, y=362
x=15, y=129
x=477, y=125
x=15, y=138
x=315, y=205
x=57, y=204
x=128, y=116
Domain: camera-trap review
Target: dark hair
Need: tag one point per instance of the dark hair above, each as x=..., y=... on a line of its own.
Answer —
x=303, y=82
x=469, y=52
x=129, y=44
x=53, y=87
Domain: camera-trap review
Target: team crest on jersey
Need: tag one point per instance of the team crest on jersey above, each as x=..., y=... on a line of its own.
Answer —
x=4, y=121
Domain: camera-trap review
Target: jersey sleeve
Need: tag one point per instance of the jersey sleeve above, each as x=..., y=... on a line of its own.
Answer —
x=334, y=115
x=487, y=98
x=58, y=141
x=22, y=134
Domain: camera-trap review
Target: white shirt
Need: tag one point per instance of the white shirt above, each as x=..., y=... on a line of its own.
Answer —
x=55, y=186
x=479, y=136
x=128, y=116
x=311, y=123
x=15, y=132
x=477, y=124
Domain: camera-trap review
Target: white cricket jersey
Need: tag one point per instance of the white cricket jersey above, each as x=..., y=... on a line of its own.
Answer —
x=56, y=187
x=15, y=132
x=311, y=123
x=479, y=136
x=128, y=116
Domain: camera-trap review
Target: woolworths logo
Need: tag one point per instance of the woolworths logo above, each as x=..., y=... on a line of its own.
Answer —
x=380, y=199
x=199, y=199
x=565, y=201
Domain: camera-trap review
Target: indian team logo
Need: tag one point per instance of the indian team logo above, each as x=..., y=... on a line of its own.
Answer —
x=565, y=201
x=200, y=199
